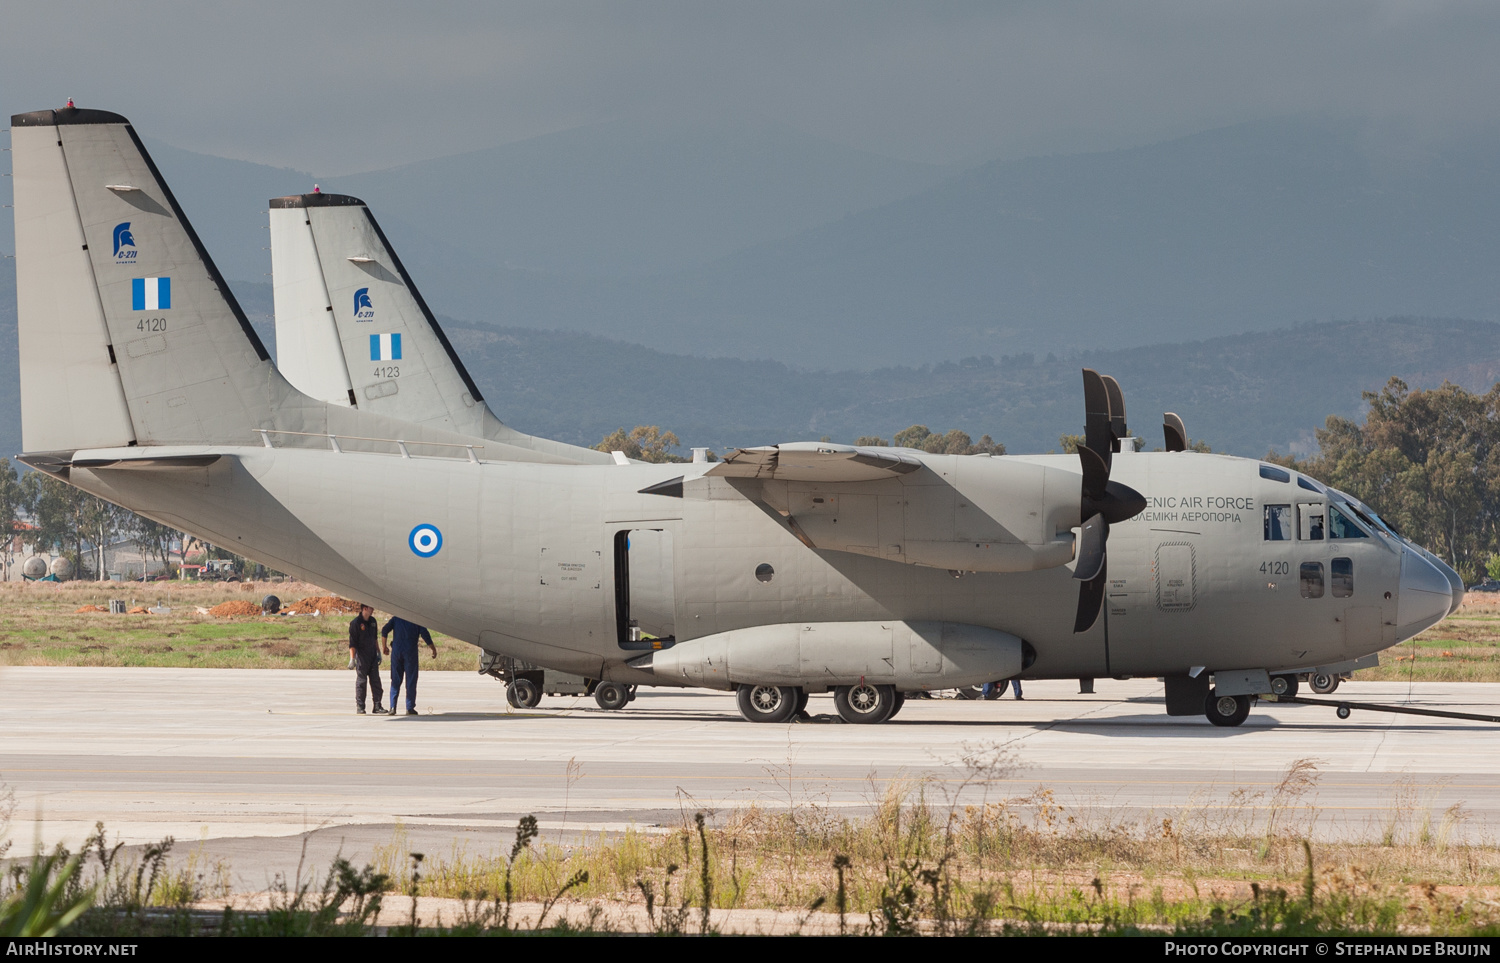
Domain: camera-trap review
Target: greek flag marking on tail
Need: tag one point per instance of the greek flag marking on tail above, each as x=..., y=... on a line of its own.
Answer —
x=385, y=347
x=150, y=294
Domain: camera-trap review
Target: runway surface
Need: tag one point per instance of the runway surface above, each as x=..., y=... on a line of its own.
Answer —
x=251, y=763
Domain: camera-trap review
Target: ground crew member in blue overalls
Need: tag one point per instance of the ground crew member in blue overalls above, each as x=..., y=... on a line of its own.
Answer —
x=364, y=658
x=403, y=653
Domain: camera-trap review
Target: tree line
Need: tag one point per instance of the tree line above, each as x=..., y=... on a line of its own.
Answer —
x=1428, y=462
x=53, y=516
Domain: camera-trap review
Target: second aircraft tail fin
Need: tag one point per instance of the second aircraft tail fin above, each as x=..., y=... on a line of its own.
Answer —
x=352, y=328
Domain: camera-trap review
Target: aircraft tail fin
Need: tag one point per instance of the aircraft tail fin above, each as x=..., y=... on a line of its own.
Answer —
x=128, y=334
x=352, y=328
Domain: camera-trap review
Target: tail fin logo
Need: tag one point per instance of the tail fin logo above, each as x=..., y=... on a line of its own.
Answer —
x=124, y=243
x=364, y=310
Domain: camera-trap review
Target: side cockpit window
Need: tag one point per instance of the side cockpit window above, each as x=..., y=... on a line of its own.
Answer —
x=1341, y=525
x=1310, y=522
x=1278, y=523
x=1272, y=473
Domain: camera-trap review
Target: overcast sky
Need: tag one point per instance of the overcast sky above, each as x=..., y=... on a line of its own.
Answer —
x=336, y=87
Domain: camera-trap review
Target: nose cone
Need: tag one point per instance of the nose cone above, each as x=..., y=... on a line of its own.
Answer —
x=1455, y=583
x=1426, y=595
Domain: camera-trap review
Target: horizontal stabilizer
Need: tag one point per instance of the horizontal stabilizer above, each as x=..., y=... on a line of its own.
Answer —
x=148, y=462
x=817, y=461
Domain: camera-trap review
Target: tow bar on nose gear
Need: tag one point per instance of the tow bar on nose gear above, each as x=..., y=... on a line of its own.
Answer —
x=1344, y=708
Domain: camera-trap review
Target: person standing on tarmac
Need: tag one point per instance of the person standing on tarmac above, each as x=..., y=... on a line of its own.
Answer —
x=403, y=652
x=365, y=654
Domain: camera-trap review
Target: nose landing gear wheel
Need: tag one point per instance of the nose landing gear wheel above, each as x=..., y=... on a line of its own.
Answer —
x=611, y=695
x=1284, y=685
x=523, y=694
x=1323, y=682
x=768, y=703
x=1226, y=710
x=865, y=703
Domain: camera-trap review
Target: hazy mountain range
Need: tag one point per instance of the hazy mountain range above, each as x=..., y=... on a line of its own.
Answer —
x=756, y=241
x=611, y=275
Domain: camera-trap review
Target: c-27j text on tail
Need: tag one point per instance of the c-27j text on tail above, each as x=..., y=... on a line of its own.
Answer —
x=804, y=567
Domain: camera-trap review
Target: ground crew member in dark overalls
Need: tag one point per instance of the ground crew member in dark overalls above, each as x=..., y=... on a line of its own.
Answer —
x=365, y=652
x=403, y=653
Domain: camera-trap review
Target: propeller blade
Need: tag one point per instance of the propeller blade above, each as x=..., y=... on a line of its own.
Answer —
x=1096, y=416
x=1175, y=431
x=1095, y=477
x=1090, y=549
x=1090, y=601
x=1116, y=411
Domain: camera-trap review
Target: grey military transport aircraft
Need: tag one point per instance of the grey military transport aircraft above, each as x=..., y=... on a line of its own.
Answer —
x=804, y=567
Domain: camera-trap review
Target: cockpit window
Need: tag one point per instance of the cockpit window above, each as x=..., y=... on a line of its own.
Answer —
x=1386, y=525
x=1278, y=523
x=1310, y=517
x=1309, y=484
x=1341, y=525
x=1272, y=473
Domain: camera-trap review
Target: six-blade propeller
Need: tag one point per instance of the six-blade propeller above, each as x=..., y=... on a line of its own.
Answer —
x=1103, y=502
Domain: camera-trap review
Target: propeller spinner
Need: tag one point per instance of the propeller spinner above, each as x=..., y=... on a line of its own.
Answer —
x=1103, y=501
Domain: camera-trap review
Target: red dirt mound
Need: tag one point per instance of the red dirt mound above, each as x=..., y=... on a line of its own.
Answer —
x=327, y=604
x=235, y=607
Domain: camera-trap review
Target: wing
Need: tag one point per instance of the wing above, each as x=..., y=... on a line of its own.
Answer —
x=817, y=461
x=962, y=513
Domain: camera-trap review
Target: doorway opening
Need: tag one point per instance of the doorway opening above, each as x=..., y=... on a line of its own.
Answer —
x=645, y=592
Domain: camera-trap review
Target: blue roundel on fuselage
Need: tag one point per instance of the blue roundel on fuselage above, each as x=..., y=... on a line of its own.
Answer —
x=425, y=540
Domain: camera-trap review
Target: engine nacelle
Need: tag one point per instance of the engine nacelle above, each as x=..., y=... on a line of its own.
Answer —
x=908, y=655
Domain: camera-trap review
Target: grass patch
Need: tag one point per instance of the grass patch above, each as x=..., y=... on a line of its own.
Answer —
x=40, y=625
x=914, y=864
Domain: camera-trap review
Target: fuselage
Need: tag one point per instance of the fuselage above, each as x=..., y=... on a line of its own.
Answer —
x=1226, y=568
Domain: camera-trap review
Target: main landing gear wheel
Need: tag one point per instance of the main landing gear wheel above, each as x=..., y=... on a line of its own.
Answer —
x=900, y=701
x=1284, y=685
x=768, y=703
x=523, y=694
x=1226, y=710
x=611, y=695
x=1323, y=682
x=865, y=703
x=801, y=700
